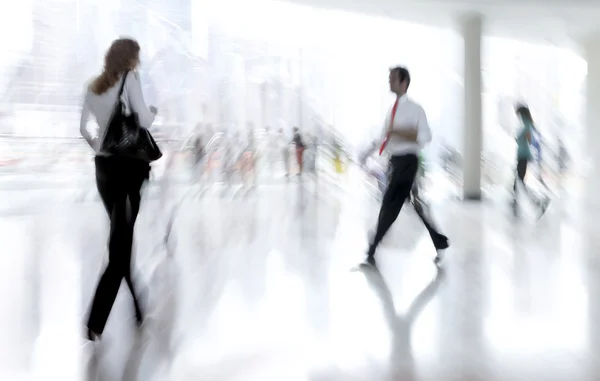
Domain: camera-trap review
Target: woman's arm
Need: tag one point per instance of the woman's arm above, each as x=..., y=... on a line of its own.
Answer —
x=85, y=116
x=133, y=88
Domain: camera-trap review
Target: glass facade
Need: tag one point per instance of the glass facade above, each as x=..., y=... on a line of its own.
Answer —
x=276, y=64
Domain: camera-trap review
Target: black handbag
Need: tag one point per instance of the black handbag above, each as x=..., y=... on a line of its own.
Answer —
x=125, y=137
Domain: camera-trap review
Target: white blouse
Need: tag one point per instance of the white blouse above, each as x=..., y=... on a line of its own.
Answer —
x=101, y=106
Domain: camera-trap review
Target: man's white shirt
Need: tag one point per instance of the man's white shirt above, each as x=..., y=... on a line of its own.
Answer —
x=409, y=115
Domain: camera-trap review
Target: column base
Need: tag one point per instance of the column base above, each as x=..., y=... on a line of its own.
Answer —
x=472, y=197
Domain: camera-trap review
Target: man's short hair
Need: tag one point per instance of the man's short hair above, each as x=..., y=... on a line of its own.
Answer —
x=403, y=74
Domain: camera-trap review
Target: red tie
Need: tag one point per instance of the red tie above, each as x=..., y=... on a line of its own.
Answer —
x=387, y=136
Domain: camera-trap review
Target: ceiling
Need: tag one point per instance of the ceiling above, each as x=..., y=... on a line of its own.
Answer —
x=563, y=23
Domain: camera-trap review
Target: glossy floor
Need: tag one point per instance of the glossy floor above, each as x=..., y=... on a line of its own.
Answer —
x=269, y=286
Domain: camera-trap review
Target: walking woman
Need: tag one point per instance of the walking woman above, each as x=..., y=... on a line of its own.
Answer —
x=524, y=156
x=118, y=178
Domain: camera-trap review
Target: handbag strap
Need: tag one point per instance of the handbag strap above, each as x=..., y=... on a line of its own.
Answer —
x=117, y=102
x=120, y=94
x=122, y=86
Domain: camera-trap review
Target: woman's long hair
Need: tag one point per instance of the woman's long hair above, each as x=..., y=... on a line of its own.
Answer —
x=122, y=55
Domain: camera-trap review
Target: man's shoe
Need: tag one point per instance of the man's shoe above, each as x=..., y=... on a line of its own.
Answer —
x=440, y=248
x=371, y=260
x=438, y=258
x=442, y=245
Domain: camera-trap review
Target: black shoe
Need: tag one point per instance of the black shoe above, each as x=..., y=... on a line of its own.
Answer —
x=442, y=244
x=92, y=336
x=440, y=247
x=371, y=260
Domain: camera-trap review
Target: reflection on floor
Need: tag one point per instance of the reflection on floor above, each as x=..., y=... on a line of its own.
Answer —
x=270, y=287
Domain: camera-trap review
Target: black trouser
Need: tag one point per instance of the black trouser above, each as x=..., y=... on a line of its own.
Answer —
x=403, y=172
x=521, y=172
x=440, y=241
x=119, y=181
x=520, y=178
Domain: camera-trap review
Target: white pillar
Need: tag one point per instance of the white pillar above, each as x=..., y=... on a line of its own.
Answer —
x=592, y=119
x=473, y=120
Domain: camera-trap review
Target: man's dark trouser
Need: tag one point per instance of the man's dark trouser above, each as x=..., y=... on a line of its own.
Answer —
x=403, y=172
x=439, y=240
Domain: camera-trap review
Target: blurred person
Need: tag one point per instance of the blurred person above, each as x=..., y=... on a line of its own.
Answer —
x=266, y=151
x=562, y=158
x=285, y=150
x=199, y=152
x=537, y=145
x=300, y=147
x=211, y=153
x=118, y=179
x=338, y=164
x=230, y=156
x=524, y=156
x=313, y=149
x=309, y=154
x=249, y=158
x=406, y=132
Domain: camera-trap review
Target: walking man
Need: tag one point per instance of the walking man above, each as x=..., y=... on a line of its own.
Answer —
x=406, y=132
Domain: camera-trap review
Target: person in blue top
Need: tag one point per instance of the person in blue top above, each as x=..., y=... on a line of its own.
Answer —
x=562, y=157
x=537, y=144
x=525, y=155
